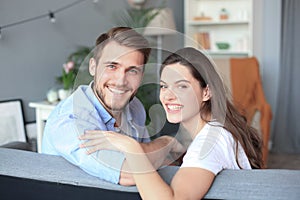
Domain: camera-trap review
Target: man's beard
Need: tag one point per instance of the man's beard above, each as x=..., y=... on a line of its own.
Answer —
x=111, y=108
x=100, y=97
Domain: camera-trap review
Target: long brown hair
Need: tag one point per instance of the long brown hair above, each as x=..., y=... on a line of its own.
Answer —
x=219, y=106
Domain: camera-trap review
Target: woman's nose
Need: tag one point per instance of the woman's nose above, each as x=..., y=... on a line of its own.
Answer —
x=168, y=94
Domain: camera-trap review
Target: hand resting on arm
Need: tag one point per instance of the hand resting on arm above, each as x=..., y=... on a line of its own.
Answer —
x=144, y=173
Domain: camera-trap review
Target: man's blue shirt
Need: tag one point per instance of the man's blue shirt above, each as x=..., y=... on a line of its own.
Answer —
x=80, y=112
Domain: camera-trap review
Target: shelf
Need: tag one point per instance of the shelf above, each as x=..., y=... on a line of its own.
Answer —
x=203, y=17
x=227, y=52
x=228, y=22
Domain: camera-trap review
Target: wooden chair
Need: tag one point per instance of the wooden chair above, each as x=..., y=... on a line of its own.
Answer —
x=242, y=78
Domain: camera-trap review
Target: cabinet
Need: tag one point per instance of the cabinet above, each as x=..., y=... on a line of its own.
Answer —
x=42, y=112
x=221, y=27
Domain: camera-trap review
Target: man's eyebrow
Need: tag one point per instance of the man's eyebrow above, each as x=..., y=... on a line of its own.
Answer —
x=140, y=67
x=111, y=63
x=116, y=63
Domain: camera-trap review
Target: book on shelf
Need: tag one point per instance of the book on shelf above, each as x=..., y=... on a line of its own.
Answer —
x=203, y=40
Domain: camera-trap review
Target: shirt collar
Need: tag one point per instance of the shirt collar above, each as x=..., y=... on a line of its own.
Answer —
x=128, y=113
x=103, y=113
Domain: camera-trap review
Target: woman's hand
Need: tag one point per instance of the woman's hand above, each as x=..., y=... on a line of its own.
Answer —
x=162, y=151
x=136, y=159
x=108, y=140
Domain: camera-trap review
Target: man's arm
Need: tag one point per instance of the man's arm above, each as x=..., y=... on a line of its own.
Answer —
x=126, y=178
x=61, y=138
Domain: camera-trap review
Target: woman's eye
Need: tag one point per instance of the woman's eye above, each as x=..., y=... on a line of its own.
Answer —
x=181, y=86
x=163, y=87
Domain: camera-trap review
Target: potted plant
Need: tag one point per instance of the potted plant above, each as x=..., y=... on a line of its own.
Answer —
x=137, y=16
x=70, y=70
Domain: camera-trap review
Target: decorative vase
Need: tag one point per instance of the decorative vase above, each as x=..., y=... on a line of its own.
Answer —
x=52, y=96
x=63, y=94
x=224, y=15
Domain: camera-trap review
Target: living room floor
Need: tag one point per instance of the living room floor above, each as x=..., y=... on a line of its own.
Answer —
x=283, y=161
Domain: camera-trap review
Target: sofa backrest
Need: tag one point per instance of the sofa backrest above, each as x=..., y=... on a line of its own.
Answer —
x=30, y=175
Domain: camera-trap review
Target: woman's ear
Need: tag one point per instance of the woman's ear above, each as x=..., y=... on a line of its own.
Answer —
x=206, y=94
x=92, y=66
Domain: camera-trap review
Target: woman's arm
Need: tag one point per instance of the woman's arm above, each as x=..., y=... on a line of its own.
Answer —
x=188, y=183
x=161, y=151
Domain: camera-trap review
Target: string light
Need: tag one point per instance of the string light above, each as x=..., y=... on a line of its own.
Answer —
x=51, y=16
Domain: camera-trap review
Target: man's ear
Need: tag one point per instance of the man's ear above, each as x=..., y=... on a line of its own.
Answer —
x=206, y=94
x=92, y=66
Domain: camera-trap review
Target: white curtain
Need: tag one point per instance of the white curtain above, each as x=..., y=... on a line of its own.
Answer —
x=286, y=134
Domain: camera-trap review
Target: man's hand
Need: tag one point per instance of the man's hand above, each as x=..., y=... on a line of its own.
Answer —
x=163, y=150
x=126, y=178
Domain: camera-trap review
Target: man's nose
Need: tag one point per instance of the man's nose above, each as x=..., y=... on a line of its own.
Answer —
x=121, y=78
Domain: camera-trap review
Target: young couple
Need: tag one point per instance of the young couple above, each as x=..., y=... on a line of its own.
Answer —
x=90, y=124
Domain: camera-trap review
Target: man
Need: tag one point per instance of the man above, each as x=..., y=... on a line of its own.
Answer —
x=107, y=103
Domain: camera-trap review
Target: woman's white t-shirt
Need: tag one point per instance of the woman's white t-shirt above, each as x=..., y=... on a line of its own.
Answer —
x=213, y=149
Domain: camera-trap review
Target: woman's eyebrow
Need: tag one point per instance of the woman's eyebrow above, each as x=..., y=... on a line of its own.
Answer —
x=179, y=81
x=182, y=80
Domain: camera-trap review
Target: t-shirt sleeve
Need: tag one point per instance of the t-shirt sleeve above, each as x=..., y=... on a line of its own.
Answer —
x=206, y=152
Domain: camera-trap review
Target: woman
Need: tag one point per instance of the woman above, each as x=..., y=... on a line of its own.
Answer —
x=192, y=94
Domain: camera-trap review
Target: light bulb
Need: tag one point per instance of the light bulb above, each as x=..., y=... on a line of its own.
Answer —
x=52, y=17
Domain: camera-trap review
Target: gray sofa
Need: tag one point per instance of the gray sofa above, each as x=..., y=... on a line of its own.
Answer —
x=30, y=175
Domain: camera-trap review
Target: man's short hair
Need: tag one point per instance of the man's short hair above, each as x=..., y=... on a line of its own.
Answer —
x=124, y=36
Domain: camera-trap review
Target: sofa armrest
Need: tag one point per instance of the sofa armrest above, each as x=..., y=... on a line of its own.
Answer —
x=18, y=145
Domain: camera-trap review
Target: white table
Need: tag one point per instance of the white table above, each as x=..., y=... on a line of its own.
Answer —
x=42, y=111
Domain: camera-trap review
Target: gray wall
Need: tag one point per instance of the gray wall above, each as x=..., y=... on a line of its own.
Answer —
x=272, y=50
x=267, y=36
x=32, y=54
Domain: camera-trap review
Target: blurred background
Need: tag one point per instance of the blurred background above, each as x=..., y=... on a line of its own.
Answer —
x=39, y=36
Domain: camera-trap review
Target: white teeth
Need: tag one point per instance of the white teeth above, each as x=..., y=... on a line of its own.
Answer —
x=116, y=91
x=174, y=107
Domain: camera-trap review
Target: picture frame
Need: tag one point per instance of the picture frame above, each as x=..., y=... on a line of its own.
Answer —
x=12, y=124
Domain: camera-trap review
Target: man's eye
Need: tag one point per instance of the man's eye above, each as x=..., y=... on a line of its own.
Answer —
x=111, y=66
x=133, y=71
